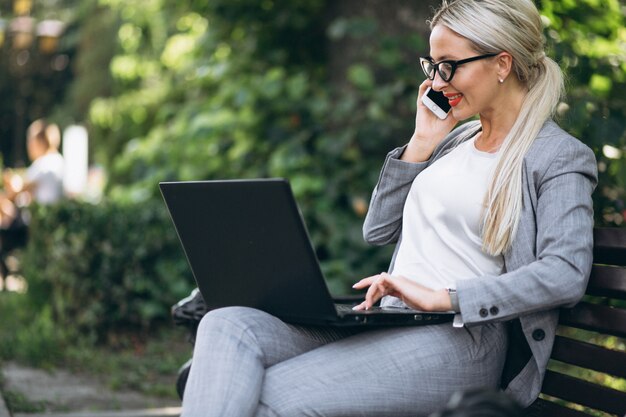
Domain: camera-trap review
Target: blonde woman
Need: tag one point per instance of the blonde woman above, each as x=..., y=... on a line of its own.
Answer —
x=492, y=219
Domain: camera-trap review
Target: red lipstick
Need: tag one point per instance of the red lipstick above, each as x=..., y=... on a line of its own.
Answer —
x=454, y=98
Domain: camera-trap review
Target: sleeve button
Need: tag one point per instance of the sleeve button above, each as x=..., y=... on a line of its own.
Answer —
x=483, y=312
x=539, y=335
x=494, y=311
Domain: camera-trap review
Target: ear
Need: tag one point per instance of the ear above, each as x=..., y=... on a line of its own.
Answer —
x=504, y=61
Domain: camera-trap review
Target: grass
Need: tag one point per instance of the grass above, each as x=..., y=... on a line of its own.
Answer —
x=145, y=363
x=148, y=365
x=16, y=402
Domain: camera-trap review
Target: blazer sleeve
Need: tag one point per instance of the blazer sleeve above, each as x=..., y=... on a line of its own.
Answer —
x=563, y=222
x=383, y=222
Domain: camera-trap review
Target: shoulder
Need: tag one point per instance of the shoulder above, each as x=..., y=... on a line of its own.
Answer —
x=554, y=143
x=552, y=140
x=555, y=147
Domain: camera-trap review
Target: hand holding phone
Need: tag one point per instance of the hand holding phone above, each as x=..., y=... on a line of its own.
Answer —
x=437, y=103
x=431, y=125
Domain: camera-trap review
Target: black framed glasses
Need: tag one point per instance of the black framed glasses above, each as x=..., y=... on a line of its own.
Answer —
x=447, y=68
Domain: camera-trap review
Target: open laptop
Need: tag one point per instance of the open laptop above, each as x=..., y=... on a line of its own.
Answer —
x=247, y=245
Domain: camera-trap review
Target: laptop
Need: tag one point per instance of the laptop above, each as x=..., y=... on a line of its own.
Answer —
x=247, y=245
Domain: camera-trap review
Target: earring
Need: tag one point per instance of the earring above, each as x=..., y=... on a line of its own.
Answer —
x=501, y=80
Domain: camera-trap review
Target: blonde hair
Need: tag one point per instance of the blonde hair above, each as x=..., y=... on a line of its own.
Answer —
x=514, y=26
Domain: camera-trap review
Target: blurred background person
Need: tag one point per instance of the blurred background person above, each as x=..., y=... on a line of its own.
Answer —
x=43, y=181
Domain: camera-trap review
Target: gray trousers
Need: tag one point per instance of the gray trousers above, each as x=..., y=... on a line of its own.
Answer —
x=249, y=363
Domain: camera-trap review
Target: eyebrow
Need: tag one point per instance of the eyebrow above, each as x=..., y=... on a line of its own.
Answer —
x=443, y=58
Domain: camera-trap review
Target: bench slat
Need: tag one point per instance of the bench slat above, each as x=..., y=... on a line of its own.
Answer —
x=541, y=408
x=584, y=393
x=596, y=318
x=609, y=246
x=587, y=355
x=607, y=281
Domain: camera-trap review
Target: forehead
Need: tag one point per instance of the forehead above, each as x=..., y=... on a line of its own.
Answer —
x=447, y=44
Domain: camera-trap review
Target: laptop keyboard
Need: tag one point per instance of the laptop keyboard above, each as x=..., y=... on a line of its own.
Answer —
x=344, y=308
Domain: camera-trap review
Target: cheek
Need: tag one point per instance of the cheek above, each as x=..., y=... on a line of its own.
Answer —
x=477, y=96
x=471, y=92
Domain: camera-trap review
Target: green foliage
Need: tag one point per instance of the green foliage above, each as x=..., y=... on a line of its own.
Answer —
x=16, y=402
x=106, y=268
x=92, y=40
x=30, y=335
x=588, y=39
x=245, y=94
x=130, y=360
x=134, y=362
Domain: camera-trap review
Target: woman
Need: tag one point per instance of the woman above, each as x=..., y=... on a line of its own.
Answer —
x=493, y=219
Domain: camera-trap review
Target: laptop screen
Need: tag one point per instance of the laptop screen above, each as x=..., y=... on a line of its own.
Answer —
x=247, y=245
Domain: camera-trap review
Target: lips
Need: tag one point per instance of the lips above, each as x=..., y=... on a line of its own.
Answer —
x=454, y=99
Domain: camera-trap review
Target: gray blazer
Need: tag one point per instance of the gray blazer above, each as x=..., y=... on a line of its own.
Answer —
x=550, y=259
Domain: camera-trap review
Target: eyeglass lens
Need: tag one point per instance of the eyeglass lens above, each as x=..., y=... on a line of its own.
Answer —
x=445, y=69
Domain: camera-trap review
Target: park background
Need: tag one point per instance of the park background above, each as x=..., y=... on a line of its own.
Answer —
x=316, y=91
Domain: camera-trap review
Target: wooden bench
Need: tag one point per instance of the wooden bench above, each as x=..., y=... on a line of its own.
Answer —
x=603, y=312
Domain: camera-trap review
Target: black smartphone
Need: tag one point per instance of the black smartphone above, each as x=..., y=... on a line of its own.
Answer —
x=437, y=103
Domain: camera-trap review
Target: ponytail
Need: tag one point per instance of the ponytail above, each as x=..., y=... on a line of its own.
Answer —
x=503, y=203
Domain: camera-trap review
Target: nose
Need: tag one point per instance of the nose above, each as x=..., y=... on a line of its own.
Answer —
x=438, y=83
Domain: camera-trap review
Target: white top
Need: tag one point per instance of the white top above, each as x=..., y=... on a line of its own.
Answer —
x=441, y=242
x=46, y=172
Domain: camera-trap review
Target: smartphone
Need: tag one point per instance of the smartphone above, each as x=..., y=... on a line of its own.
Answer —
x=437, y=103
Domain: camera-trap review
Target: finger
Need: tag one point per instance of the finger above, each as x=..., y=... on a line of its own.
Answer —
x=422, y=89
x=369, y=296
x=365, y=282
x=375, y=292
x=359, y=307
x=385, y=285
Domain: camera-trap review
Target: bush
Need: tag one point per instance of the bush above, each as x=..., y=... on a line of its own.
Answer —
x=105, y=268
x=30, y=335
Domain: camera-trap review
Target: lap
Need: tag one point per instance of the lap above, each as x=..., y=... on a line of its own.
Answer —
x=276, y=340
x=333, y=372
x=391, y=372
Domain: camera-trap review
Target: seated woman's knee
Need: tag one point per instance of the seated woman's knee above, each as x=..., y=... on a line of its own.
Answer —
x=238, y=317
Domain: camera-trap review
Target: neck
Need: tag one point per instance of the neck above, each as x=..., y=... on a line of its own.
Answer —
x=497, y=121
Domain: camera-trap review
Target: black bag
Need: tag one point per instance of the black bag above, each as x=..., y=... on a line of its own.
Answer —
x=189, y=311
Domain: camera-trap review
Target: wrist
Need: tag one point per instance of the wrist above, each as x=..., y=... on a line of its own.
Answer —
x=453, y=299
x=418, y=150
x=441, y=301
